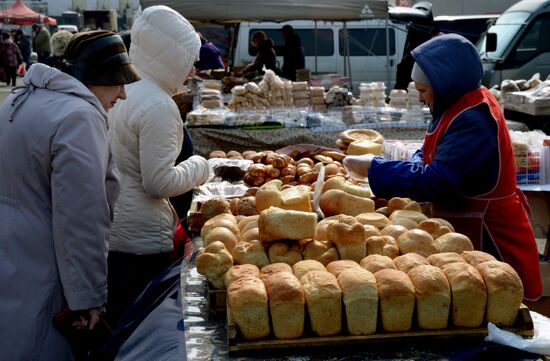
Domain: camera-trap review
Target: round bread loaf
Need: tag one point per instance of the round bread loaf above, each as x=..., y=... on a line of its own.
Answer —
x=393, y=230
x=441, y=259
x=376, y=262
x=213, y=207
x=374, y=219
x=454, y=242
x=222, y=220
x=435, y=228
x=414, y=215
x=477, y=257
x=417, y=241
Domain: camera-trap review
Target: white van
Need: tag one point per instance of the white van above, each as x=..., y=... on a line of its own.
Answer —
x=369, y=54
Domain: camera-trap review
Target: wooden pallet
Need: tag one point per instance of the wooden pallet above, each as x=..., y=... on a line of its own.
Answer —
x=523, y=326
x=216, y=300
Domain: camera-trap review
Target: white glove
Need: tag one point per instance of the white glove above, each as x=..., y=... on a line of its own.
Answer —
x=358, y=166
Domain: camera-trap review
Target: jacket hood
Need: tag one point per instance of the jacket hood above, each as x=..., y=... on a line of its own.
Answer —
x=44, y=77
x=453, y=67
x=164, y=47
x=267, y=44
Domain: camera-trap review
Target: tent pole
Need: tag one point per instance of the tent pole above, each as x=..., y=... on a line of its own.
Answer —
x=236, y=28
x=347, y=60
x=315, y=42
x=388, y=67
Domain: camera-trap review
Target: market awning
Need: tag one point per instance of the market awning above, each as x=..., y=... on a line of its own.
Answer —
x=20, y=14
x=269, y=10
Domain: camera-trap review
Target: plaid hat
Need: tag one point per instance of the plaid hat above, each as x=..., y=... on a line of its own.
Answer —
x=99, y=58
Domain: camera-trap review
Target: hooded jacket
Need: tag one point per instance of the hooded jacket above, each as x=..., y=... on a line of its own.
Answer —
x=466, y=161
x=146, y=134
x=57, y=191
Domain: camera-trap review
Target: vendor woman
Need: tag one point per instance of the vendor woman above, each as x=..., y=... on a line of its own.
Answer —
x=466, y=165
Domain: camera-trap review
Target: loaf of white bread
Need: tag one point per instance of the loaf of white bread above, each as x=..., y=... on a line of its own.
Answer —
x=396, y=293
x=248, y=301
x=441, y=259
x=301, y=268
x=409, y=261
x=286, y=252
x=416, y=241
x=322, y=251
x=349, y=237
x=240, y=271
x=384, y=245
x=339, y=266
x=477, y=257
x=376, y=262
x=324, y=302
x=271, y=194
x=336, y=201
x=213, y=261
x=360, y=296
x=252, y=252
x=278, y=224
x=454, y=242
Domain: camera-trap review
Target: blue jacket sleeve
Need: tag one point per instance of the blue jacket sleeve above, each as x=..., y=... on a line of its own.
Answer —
x=466, y=162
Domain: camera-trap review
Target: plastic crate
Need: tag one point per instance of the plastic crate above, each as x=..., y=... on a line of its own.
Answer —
x=528, y=169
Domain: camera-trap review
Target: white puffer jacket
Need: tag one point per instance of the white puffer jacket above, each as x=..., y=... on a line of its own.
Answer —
x=146, y=133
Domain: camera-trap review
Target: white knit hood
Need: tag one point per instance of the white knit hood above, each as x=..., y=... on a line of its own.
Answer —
x=164, y=47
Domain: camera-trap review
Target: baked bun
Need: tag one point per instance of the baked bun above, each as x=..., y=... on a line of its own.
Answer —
x=250, y=235
x=477, y=257
x=416, y=241
x=247, y=298
x=337, y=267
x=213, y=261
x=393, y=230
x=303, y=267
x=409, y=261
x=222, y=234
x=285, y=252
x=454, y=242
x=222, y=220
x=434, y=227
x=374, y=219
x=360, y=296
x=396, y=293
x=252, y=252
x=375, y=262
x=322, y=251
x=441, y=259
x=433, y=296
x=405, y=222
x=240, y=271
x=324, y=302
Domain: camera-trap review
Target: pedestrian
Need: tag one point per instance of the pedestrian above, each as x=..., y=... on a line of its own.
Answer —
x=265, y=56
x=57, y=194
x=209, y=56
x=10, y=58
x=24, y=43
x=58, y=42
x=41, y=42
x=466, y=166
x=146, y=134
x=292, y=52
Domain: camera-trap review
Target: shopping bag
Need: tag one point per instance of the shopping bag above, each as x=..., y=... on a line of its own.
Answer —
x=21, y=71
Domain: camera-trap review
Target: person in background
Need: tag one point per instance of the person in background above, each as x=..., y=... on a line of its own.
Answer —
x=41, y=42
x=466, y=166
x=146, y=133
x=24, y=43
x=58, y=42
x=293, y=53
x=265, y=55
x=10, y=58
x=57, y=194
x=209, y=56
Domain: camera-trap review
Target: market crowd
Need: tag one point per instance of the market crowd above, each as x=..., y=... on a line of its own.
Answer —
x=88, y=149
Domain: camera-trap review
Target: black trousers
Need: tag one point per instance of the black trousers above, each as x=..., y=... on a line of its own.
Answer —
x=11, y=74
x=129, y=274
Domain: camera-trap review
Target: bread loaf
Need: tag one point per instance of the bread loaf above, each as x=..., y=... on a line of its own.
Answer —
x=222, y=234
x=322, y=225
x=413, y=215
x=246, y=206
x=274, y=268
x=250, y=235
x=303, y=267
x=247, y=222
x=324, y=302
x=433, y=296
x=252, y=252
x=360, y=147
x=336, y=201
x=349, y=239
x=240, y=271
x=271, y=194
x=393, y=230
x=340, y=183
x=214, y=207
x=416, y=241
x=322, y=251
x=213, y=261
x=405, y=222
x=278, y=224
x=409, y=261
x=396, y=293
x=397, y=203
x=454, y=242
x=477, y=257
x=435, y=228
x=441, y=259
x=370, y=231
x=222, y=220
x=337, y=267
x=374, y=219
x=286, y=305
x=375, y=262
x=360, y=296
x=504, y=292
x=468, y=293
x=285, y=252
x=247, y=298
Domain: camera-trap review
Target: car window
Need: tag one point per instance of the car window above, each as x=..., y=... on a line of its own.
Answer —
x=325, y=40
x=367, y=42
x=535, y=41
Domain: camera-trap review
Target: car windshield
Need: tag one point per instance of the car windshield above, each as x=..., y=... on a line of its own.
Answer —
x=506, y=28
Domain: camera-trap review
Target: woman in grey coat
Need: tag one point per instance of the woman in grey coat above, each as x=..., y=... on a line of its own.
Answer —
x=57, y=189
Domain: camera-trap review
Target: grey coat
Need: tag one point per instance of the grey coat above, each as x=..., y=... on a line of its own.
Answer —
x=57, y=189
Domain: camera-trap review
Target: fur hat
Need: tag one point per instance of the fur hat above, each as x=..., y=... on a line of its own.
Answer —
x=99, y=58
x=59, y=41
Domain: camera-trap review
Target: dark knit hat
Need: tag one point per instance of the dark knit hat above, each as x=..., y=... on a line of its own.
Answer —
x=99, y=58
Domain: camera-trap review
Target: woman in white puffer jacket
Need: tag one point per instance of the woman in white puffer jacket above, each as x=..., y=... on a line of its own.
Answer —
x=146, y=135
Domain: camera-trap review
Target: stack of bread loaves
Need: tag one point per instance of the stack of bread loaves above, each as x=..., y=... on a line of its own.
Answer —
x=300, y=94
x=317, y=98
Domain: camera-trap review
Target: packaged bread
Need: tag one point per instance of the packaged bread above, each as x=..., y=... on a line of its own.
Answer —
x=393, y=230
x=374, y=219
x=337, y=267
x=409, y=261
x=277, y=224
x=222, y=220
x=240, y=271
x=274, y=268
x=213, y=261
x=433, y=296
x=441, y=259
x=375, y=262
x=322, y=251
x=248, y=300
x=336, y=201
x=222, y=234
x=342, y=184
x=324, y=302
x=396, y=294
x=286, y=305
x=416, y=241
x=322, y=225
x=303, y=267
x=271, y=194
x=477, y=257
x=360, y=296
x=454, y=242
x=504, y=292
x=288, y=252
x=252, y=252
x=349, y=240
x=468, y=293
x=435, y=228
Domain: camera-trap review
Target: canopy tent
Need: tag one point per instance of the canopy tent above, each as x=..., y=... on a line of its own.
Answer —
x=280, y=10
x=20, y=14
